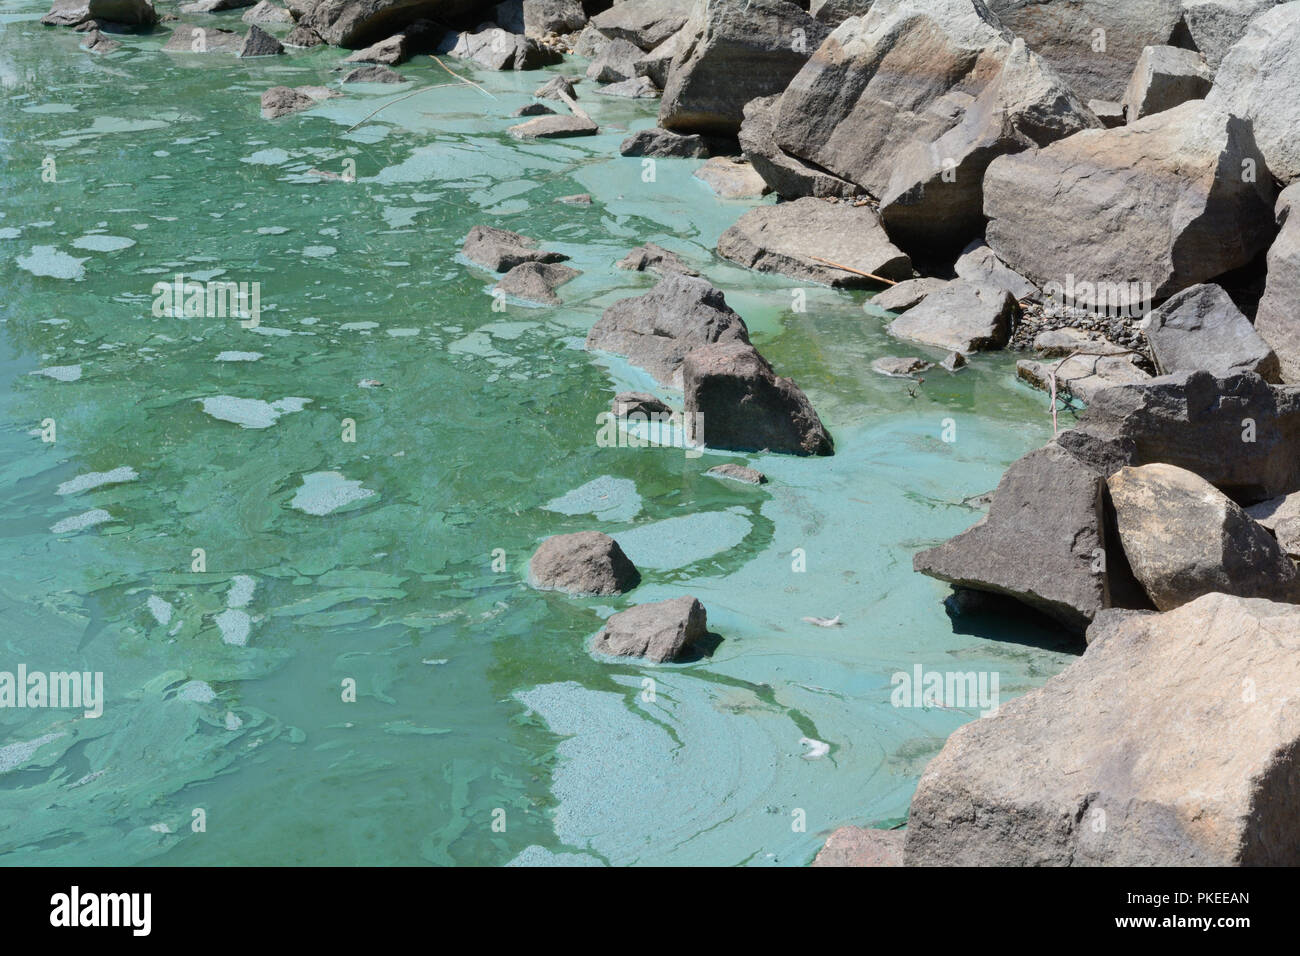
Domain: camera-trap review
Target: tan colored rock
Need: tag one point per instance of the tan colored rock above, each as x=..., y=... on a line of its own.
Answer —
x=860, y=846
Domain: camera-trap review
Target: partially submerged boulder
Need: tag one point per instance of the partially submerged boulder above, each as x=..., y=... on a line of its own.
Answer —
x=662, y=632
x=735, y=401
x=660, y=142
x=638, y=403
x=962, y=317
x=730, y=179
x=1165, y=77
x=733, y=472
x=584, y=563
x=1202, y=328
x=374, y=73
x=1147, y=209
x=189, y=38
x=655, y=258
x=1145, y=752
x=260, y=43
x=497, y=49
x=536, y=281
x=131, y=13
x=655, y=331
x=282, y=100
x=356, y=23
x=896, y=367
x=501, y=250
x=1184, y=538
x=559, y=126
x=791, y=238
x=1277, y=319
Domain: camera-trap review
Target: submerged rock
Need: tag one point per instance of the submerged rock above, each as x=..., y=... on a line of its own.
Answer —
x=657, y=259
x=638, y=403
x=662, y=143
x=661, y=632
x=584, y=563
x=789, y=238
x=1184, y=538
x=96, y=42
x=534, y=109
x=188, y=38
x=281, y=100
x=961, y=316
x=536, y=281
x=733, y=472
x=735, y=401
x=896, y=367
x=375, y=73
x=656, y=330
x=501, y=250
x=1202, y=328
x=1177, y=768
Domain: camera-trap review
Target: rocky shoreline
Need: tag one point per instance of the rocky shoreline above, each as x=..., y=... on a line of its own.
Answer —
x=1105, y=186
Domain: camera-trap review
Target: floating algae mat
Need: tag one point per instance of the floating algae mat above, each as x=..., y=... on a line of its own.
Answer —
x=295, y=548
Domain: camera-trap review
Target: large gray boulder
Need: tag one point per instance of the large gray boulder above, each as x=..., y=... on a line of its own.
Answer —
x=1084, y=376
x=655, y=331
x=498, y=49
x=132, y=13
x=1257, y=81
x=981, y=265
x=1171, y=742
x=735, y=401
x=539, y=18
x=357, y=23
x=663, y=143
x=559, y=126
x=420, y=36
x=789, y=238
x=740, y=49
x=787, y=175
x=1184, y=538
x=190, y=38
x=1215, y=25
x=835, y=12
x=1202, y=328
x=647, y=23
x=584, y=563
x=536, y=281
x=1092, y=43
x=1043, y=541
x=1237, y=432
x=1161, y=203
x=655, y=63
x=501, y=250
x=1281, y=516
x=1278, y=318
x=616, y=61
x=1165, y=77
x=661, y=632
x=960, y=317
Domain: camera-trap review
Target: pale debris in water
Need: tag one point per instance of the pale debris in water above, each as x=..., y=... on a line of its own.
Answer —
x=160, y=609
x=824, y=621
x=94, y=479
x=816, y=748
x=235, y=626
x=87, y=519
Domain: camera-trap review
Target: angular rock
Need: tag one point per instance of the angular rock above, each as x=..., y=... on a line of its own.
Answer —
x=1202, y=328
x=1065, y=33
x=534, y=109
x=356, y=23
x=96, y=42
x=740, y=49
x=1038, y=542
x=281, y=100
x=496, y=49
x=214, y=6
x=896, y=367
x=1110, y=112
x=656, y=63
x=577, y=199
x=1277, y=319
x=655, y=331
x=646, y=23
x=980, y=264
x=1184, y=538
x=1144, y=752
x=835, y=12
x=637, y=403
x=536, y=281
x=539, y=18
x=188, y=38
x=1160, y=203
x=1237, y=432
x=733, y=472
x=418, y=37
x=590, y=42
x=1165, y=77
x=267, y=12
x=501, y=250
x=1058, y=343
x=583, y=563
x=954, y=362
x=788, y=176
x=962, y=317
x=554, y=127
x=131, y=13
x=735, y=401
x=786, y=237
x=302, y=37
x=375, y=73
x=859, y=846
x=662, y=143
x=907, y=294
x=1215, y=25
x=637, y=88
x=656, y=258
x=1282, y=517
x=661, y=632
x=260, y=43
x=616, y=61
x=556, y=88
x=1083, y=376
x=1257, y=82
x=730, y=179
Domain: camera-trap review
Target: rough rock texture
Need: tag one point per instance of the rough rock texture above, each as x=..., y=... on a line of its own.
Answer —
x=896, y=367
x=750, y=476
x=655, y=258
x=656, y=62
x=980, y=264
x=788, y=176
x=538, y=18
x=835, y=12
x=356, y=23
x=1064, y=33
x=188, y=38
x=281, y=100
x=1201, y=328
x=132, y=13
x=496, y=49
x=557, y=88
x=739, y=50
x=536, y=281
x=735, y=401
x=97, y=42
x=934, y=197
x=1144, y=752
x=907, y=294
x=260, y=43
x=400, y=47
x=214, y=6
x=1237, y=432
x=375, y=73
x=1160, y=201
x=637, y=88
x=637, y=403
x=1282, y=517
x=859, y=846
x=267, y=12
x=1039, y=541
x=659, y=632
x=1257, y=81
x=786, y=237
x=554, y=127
x=1110, y=112
x=1278, y=318
x=646, y=23
x=1215, y=25
x=534, y=109
x=616, y=61
x=1185, y=538
x=1083, y=376
x=663, y=143
x=730, y=179
x=586, y=562
x=303, y=37
x=655, y=331
x=1165, y=77
x=501, y=250
x=961, y=316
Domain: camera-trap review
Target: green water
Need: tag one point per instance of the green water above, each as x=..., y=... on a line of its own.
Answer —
x=476, y=700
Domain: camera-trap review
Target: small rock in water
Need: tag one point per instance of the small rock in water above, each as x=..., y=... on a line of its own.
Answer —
x=533, y=109
x=659, y=632
x=749, y=476
x=896, y=367
x=374, y=73
x=954, y=362
x=587, y=562
x=577, y=199
x=655, y=258
x=637, y=403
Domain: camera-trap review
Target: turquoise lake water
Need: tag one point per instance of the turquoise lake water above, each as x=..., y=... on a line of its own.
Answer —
x=329, y=562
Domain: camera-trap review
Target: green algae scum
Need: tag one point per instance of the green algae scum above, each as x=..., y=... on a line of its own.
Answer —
x=295, y=546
